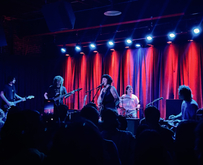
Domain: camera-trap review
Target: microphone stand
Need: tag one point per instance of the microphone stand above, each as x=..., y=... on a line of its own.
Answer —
x=95, y=94
x=151, y=103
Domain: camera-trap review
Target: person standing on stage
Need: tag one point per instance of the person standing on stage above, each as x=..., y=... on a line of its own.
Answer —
x=129, y=103
x=189, y=106
x=108, y=97
x=56, y=90
x=9, y=95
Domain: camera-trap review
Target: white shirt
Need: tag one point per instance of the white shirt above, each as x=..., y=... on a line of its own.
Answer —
x=129, y=102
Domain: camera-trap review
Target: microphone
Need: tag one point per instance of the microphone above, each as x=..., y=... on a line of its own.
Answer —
x=157, y=99
x=100, y=85
x=154, y=101
x=160, y=98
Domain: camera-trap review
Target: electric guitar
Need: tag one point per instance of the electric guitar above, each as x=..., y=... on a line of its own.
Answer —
x=66, y=95
x=7, y=107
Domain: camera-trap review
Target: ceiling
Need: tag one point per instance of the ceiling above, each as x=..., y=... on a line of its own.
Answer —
x=138, y=18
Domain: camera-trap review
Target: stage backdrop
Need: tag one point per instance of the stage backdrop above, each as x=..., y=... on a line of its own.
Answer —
x=152, y=72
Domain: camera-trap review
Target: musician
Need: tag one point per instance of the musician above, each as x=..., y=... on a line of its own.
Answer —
x=108, y=97
x=55, y=90
x=189, y=106
x=129, y=103
x=8, y=94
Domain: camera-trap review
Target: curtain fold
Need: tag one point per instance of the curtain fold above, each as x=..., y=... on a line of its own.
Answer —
x=152, y=72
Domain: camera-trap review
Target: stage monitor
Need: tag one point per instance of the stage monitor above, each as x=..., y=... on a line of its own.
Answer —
x=173, y=107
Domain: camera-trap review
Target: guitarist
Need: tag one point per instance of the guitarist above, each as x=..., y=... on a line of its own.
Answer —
x=55, y=90
x=108, y=97
x=9, y=95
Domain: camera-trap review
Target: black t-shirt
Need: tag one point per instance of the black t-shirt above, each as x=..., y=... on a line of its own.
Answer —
x=54, y=92
x=9, y=93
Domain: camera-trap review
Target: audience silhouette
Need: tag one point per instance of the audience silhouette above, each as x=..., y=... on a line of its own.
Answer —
x=27, y=138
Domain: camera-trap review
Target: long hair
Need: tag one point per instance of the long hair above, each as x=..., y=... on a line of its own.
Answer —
x=58, y=78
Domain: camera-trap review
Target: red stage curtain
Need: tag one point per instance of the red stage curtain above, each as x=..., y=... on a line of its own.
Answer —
x=153, y=72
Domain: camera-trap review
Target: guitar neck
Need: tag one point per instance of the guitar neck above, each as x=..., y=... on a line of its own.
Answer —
x=18, y=101
x=62, y=96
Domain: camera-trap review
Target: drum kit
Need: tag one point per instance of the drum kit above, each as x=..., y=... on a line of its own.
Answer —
x=128, y=113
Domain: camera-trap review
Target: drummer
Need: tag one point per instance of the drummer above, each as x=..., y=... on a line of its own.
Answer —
x=129, y=104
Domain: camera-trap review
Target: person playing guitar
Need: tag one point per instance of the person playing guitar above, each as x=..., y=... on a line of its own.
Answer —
x=55, y=90
x=108, y=97
x=9, y=95
x=56, y=94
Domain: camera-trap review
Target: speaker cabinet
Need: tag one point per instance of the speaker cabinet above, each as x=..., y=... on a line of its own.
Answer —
x=132, y=125
x=173, y=107
x=59, y=16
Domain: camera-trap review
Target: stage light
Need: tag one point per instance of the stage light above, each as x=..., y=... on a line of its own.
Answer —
x=78, y=48
x=171, y=36
x=137, y=45
x=196, y=31
x=63, y=50
x=149, y=38
x=92, y=46
x=111, y=43
x=128, y=41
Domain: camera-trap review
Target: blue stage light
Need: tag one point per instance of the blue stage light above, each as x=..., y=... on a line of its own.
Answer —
x=196, y=30
x=128, y=41
x=171, y=36
x=92, y=46
x=63, y=50
x=111, y=43
x=149, y=38
x=78, y=48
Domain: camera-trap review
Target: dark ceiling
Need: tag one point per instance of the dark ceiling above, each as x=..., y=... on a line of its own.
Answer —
x=139, y=17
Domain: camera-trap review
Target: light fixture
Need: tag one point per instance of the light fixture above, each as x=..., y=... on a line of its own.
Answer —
x=63, y=50
x=171, y=36
x=78, y=48
x=196, y=31
x=128, y=42
x=149, y=38
x=112, y=13
x=92, y=46
x=111, y=43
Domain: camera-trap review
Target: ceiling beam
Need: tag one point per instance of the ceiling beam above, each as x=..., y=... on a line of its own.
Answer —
x=109, y=25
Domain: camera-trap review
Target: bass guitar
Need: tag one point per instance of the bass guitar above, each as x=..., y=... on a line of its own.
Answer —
x=7, y=107
x=66, y=95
